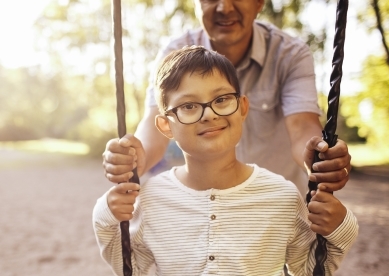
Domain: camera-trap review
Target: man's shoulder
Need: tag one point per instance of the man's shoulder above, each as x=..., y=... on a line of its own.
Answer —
x=274, y=34
x=188, y=38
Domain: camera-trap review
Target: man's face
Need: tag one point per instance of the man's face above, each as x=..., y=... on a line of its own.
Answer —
x=228, y=22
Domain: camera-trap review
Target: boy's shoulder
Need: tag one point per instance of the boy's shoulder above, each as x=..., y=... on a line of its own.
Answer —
x=163, y=178
x=272, y=182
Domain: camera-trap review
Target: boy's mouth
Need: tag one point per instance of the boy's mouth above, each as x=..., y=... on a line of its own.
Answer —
x=211, y=130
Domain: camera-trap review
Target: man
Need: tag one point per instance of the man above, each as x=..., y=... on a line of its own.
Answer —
x=276, y=73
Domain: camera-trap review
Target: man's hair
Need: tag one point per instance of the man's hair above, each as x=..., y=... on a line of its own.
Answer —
x=193, y=59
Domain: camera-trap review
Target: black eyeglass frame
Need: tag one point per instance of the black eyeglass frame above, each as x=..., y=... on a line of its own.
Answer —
x=204, y=105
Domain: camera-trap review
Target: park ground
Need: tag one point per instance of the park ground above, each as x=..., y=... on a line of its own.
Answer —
x=46, y=202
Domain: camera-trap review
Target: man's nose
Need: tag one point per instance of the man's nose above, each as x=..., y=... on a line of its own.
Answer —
x=225, y=6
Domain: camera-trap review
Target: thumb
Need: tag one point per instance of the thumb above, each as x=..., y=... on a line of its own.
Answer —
x=126, y=141
x=124, y=187
x=315, y=143
x=321, y=196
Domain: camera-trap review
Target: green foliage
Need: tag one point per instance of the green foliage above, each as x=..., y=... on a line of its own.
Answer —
x=286, y=15
x=369, y=110
x=72, y=95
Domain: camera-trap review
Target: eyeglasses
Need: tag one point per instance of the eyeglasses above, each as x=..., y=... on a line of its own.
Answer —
x=191, y=112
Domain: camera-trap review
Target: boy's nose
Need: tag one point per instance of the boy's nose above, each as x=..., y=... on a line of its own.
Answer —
x=209, y=114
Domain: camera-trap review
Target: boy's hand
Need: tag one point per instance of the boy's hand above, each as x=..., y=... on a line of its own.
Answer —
x=121, y=199
x=326, y=212
x=121, y=156
x=333, y=172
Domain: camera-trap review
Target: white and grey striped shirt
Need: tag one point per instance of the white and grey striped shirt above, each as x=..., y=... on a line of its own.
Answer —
x=253, y=228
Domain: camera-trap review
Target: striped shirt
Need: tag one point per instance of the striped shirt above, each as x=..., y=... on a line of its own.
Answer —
x=253, y=228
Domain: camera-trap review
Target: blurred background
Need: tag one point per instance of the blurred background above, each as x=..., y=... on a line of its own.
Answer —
x=58, y=110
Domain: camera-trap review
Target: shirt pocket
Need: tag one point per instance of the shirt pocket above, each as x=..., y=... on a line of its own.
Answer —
x=265, y=112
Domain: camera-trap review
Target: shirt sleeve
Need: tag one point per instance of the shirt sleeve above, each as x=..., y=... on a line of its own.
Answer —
x=299, y=92
x=108, y=236
x=300, y=257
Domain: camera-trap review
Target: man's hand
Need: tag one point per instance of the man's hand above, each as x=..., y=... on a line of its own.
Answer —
x=121, y=199
x=333, y=172
x=326, y=212
x=121, y=156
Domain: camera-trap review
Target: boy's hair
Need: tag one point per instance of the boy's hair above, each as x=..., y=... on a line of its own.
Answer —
x=193, y=59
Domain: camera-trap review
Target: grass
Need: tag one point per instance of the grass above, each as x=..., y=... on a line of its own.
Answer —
x=48, y=145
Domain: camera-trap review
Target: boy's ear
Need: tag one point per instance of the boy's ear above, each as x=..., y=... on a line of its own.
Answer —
x=162, y=123
x=244, y=106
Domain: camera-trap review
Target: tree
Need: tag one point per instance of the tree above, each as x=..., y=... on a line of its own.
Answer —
x=72, y=91
x=369, y=109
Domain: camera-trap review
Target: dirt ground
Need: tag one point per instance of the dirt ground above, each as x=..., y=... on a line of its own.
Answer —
x=46, y=201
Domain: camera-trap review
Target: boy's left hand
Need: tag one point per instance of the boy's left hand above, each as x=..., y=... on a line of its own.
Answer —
x=326, y=212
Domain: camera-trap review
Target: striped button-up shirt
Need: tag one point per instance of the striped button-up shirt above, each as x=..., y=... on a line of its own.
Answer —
x=253, y=228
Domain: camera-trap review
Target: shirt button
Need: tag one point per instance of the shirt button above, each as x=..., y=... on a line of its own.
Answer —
x=211, y=258
x=212, y=197
x=213, y=217
x=264, y=106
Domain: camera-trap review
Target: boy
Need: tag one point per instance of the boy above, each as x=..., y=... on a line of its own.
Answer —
x=215, y=215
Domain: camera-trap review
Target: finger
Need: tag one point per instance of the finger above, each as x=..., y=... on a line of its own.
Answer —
x=315, y=143
x=322, y=196
x=315, y=207
x=329, y=176
x=130, y=140
x=124, y=213
x=119, y=158
x=124, y=217
x=119, y=178
x=124, y=188
x=331, y=181
x=117, y=169
x=318, y=225
x=333, y=186
x=117, y=173
x=340, y=149
x=333, y=164
x=115, y=146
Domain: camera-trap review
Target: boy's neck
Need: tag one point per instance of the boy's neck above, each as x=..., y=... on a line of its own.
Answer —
x=213, y=174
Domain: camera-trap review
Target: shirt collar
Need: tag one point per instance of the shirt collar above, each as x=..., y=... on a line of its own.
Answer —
x=259, y=44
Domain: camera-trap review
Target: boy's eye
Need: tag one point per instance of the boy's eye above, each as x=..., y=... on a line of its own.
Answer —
x=188, y=106
x=221, y=99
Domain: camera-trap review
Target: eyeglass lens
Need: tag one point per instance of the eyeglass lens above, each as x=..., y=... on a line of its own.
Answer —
x=223, y=105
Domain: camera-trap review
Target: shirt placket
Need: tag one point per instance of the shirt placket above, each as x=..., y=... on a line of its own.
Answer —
x=212, y=258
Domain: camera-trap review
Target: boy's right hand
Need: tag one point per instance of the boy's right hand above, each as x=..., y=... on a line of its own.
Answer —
x=326, y=212
x=121, y=199
x=121, y=156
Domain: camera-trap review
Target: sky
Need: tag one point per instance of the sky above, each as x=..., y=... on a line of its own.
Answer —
x=16, y=21
x=17, y=18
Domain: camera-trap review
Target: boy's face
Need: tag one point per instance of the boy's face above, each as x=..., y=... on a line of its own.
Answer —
x=212, y=133
x=228, y=22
